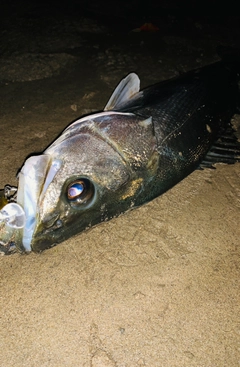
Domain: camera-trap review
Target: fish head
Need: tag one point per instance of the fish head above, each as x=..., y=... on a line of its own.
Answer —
x=88, y=175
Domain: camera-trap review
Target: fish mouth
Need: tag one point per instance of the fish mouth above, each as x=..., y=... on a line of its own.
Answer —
x=34, y=178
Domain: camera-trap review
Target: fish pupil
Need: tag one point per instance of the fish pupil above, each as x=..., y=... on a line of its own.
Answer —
x=80, y=192
x=75, y=190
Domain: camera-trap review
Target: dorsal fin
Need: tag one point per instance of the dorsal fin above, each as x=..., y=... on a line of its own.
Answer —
x=125, y=90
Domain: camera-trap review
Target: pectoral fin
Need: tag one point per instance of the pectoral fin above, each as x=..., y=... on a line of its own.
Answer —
x=225, y=150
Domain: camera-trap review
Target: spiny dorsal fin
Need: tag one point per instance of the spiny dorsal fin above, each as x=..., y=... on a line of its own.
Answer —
x=125, y=90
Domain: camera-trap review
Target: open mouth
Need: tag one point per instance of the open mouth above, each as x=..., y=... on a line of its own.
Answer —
x=34, y=178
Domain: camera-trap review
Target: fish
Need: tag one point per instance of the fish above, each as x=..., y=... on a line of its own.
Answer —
x=142, y=144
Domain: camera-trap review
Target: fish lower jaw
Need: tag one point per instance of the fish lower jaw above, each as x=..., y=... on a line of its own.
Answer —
x=28, y=233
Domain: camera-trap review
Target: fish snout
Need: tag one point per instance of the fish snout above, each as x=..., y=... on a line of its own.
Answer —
x=46, y=234
x=52, y=221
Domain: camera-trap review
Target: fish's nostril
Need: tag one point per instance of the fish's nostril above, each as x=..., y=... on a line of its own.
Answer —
x=51, y=219
x=59, y=223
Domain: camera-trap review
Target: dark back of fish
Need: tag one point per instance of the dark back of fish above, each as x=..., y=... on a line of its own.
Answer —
x=189, y=113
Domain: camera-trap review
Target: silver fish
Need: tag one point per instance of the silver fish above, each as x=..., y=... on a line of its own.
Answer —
x=142, y=144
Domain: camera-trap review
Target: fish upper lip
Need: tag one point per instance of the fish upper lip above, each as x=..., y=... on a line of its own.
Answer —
x=34, y=179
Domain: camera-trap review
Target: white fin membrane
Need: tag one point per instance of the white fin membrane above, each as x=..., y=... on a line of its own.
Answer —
x=126, y=89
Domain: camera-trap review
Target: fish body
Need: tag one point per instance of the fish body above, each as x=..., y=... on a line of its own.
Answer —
x=142, y=144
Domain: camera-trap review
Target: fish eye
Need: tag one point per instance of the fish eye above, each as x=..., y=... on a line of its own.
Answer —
x=80, y=191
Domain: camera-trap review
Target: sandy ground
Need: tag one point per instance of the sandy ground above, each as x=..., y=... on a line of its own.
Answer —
x=158, y=286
